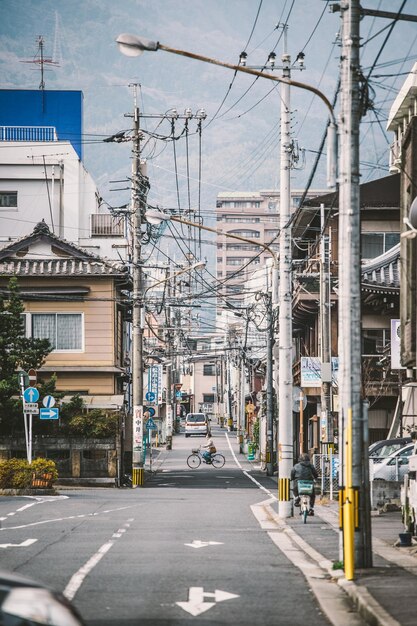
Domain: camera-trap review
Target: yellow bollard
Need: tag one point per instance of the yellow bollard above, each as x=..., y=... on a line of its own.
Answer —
x=138, y=477
x=348, y=507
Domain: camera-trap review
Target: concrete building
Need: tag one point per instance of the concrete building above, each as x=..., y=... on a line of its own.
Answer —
x=42, y=175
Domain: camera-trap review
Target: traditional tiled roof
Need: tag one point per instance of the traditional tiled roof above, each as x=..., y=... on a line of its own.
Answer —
x=383, y=272
x=59, y=267
x=70, y=260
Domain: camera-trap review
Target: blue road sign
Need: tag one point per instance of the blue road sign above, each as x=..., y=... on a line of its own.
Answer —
x=49, y=414
x=178, y=394
x=150, y=396
x=150, y=424
x=31, y=394
x=150, y=410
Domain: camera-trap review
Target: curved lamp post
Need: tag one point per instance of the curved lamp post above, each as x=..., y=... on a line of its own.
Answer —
x=132, y=45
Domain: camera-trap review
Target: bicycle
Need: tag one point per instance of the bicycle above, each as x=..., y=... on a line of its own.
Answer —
x=195, y=459
x=305, y=489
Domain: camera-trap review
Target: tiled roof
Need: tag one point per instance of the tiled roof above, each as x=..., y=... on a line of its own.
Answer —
x=383, y=272
x=59, y=267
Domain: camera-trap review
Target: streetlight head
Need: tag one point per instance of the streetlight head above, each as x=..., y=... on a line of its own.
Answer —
x=133, y=46
x=155, y=217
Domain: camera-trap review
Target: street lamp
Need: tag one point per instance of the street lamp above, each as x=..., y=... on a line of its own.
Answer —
x=132, y=45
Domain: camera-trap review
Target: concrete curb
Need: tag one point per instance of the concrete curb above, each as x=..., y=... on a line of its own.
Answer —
x=366, y=605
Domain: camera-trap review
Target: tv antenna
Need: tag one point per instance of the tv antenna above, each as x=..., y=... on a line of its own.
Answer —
x=41, y=60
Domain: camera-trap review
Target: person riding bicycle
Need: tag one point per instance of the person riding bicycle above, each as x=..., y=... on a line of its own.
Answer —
x=303, y=470
x=211, y=448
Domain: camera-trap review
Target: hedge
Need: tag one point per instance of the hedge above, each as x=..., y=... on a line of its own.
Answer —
x=19, y=474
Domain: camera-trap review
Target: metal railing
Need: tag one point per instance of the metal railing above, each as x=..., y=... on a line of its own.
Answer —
x=104, y=225
x=28, y=133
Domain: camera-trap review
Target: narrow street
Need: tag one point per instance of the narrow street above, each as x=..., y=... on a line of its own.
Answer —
x=186, y=547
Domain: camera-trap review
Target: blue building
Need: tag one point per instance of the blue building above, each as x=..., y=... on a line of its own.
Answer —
x=41, y=115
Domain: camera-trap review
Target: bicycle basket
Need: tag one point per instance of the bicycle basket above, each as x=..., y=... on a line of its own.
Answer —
x=195, y=450
x=305, y=487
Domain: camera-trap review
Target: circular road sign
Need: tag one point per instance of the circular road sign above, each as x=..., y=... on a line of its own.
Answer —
x=150, y=396
x=31, y=394
x=48, y=402
x=32, y=376
x=150, y=410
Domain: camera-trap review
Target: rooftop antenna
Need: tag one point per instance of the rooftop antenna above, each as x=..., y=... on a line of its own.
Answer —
x=41, y=60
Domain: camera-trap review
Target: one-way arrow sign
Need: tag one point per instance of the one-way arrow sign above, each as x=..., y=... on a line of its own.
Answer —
x=49, y=414
x=196, y=605
x=197, y=543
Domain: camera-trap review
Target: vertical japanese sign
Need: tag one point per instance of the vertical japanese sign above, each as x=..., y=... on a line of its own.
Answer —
x=155, y=382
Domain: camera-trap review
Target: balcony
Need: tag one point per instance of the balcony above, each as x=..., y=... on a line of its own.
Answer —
x=104, y=225
x=28, y=133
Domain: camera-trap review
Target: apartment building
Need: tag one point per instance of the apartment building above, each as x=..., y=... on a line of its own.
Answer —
x=254, y=216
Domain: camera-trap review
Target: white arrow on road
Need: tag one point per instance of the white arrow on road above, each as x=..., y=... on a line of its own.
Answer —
x=24, y=544
x=196, y=605
x=197, y=543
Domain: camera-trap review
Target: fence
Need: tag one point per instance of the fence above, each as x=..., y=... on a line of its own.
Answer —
x=327, y=466
x=385, y=476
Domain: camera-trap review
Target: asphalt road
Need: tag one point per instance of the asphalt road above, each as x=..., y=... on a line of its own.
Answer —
x=185, y=548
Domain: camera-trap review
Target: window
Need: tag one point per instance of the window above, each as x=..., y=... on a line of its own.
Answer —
x=64, y=330
x=272, y=206
x=255, y=234
x=208, y=398
x=374, y=340
x=8, y=200
x=242, y=220
x=374, y=244
x=242, y=246
x=208, y=369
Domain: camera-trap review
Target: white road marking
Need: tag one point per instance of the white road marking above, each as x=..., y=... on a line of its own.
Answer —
x=197, y=543
x=78, y=578
x=247, y=473
x=233, y=452
x=24, y=544
x=196, y=605
x=62, y=519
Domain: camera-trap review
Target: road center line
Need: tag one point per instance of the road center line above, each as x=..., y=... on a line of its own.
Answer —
x=258, y=484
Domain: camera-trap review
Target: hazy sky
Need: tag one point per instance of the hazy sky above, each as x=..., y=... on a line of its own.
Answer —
x=240, y=146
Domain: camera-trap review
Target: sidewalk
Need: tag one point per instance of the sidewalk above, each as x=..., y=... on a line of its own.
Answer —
x=386, y=594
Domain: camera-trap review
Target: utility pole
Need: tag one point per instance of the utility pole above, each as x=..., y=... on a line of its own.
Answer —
x=285, y=380
x=139, y=190
x=270, y=386
x=350, y=403
x=326, y=424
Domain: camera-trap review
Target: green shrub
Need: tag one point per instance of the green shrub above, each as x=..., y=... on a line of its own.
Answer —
x=18, y=473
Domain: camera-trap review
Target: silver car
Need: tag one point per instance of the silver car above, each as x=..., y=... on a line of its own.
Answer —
x=393, y=467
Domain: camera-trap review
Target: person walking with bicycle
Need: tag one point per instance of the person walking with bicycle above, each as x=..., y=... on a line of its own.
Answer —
x=303, y=470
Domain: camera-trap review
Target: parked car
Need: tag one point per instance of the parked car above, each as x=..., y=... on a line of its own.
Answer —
x=393, y=467
x=196, y=424
x=380, y=450
x=24, y=602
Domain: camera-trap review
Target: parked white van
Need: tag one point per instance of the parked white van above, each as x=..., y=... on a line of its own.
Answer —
x=196, y=424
